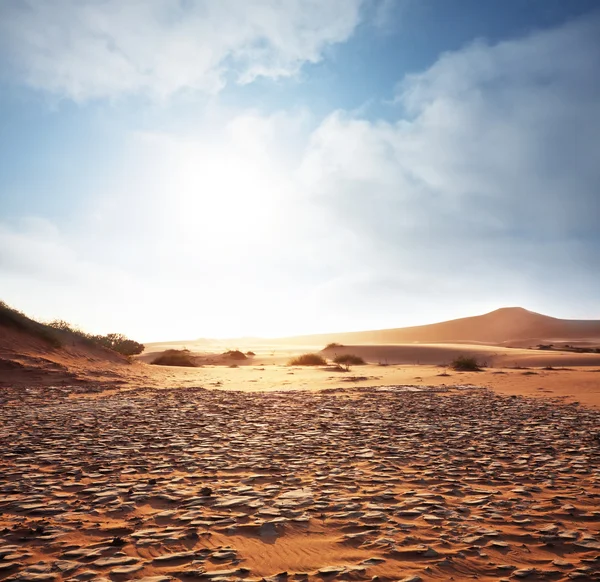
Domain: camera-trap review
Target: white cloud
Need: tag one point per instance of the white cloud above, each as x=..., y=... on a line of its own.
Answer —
x=487, y=179
x=500, y=138
x=88, y=49
x=483, y=192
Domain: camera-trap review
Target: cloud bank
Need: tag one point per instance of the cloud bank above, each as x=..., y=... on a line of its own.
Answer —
x=482, y=193
x=90, y=49
x=490, y=172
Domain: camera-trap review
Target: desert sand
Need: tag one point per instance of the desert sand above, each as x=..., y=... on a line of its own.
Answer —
x=401, y=469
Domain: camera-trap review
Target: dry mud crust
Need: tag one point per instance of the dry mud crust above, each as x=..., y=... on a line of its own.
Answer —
x=396, y=482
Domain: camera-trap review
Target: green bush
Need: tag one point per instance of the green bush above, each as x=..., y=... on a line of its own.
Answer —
x=465, y=364
x=308, y=360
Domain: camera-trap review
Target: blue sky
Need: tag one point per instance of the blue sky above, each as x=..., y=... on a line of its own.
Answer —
x=216, y=168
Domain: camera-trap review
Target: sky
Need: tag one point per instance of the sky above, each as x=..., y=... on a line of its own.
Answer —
x=177, y=169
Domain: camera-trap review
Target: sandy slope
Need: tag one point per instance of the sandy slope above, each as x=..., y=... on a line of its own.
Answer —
x=512, y=326
x=26, y=359
x=508, y=326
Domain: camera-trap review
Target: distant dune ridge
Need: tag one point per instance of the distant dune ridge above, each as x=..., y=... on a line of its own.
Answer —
x=30, y=351
x=508, y=326
x=503, y=337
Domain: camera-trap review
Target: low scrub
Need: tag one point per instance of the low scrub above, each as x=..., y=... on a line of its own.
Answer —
x=333, y=345
x=58, y=332
x=175, y=358
x=116, y=342
x=308, y=360
x=15, y=319
x=349, y=360
x=235, y=355
x=119, y=343
x=465, y=364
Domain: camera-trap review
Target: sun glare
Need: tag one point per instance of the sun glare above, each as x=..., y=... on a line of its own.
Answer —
x=224, y=199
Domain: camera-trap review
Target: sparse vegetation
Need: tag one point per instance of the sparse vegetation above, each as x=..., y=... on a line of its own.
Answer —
x=116, y=342
x=66, y=328
x=571, y=348
x=119, y=343
x=308, y=360
x=349, y=360
x=336, y=368
x=465, y=364
x=58, y=331
x=175, y=358
x=10, y=317
x=333, y=345
x=235, y=355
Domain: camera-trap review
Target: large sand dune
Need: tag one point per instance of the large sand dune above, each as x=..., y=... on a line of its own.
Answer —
x=511, y=326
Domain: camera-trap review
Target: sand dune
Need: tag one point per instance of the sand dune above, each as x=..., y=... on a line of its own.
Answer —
x=510, y=325
x=27, y=358
x=444, y=354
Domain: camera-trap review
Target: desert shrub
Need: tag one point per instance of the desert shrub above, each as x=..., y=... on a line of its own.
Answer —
x=235, y=355
x=64, y=326
x=175, y=358
x=349, y=360
x=333, y=345
x=337, y=368
x=308, y=360
x=465, y=364
x=54, y=332
x=119, y=343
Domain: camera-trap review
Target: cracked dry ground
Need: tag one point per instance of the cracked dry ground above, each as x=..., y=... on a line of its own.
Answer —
x=439, y=484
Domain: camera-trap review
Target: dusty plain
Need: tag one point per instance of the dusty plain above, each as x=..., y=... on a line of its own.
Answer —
x=395, y=470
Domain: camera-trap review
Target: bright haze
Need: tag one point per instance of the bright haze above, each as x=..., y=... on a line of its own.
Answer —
x=224, y=168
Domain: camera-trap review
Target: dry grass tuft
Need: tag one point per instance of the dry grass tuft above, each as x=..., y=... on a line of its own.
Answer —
x=308, y=360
